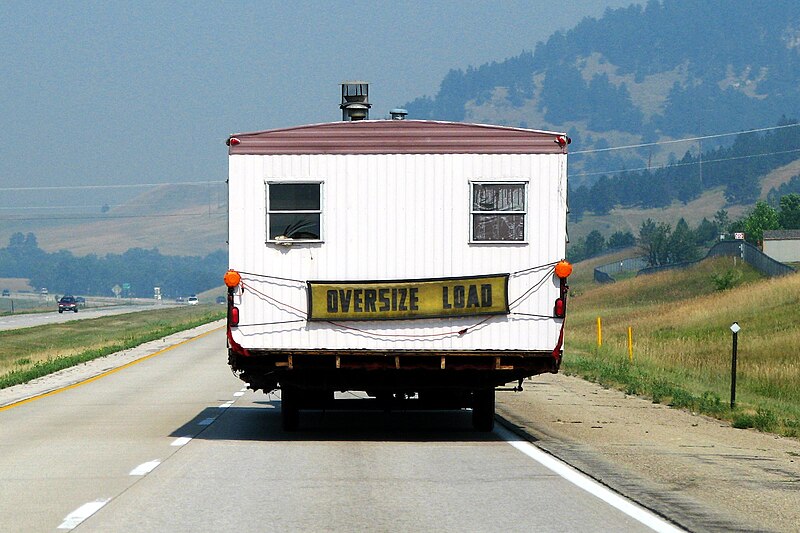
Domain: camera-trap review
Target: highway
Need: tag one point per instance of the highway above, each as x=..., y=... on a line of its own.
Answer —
x=29, y=320
x=175, y=443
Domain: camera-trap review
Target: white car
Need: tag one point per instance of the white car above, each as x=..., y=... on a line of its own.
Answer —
x=192, y=300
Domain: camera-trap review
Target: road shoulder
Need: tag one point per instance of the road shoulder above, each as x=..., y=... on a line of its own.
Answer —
x=82, y=372
x=709, y=475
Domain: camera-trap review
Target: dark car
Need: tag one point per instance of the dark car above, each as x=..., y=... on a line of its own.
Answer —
x=80, y=299
x=67, y=303
x=6, y=292
x=222, y=300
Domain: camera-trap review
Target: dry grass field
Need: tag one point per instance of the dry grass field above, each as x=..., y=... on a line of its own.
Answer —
x=682, y=341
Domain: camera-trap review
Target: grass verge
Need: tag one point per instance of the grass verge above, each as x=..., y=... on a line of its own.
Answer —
x=29, y=353
x=682, y=342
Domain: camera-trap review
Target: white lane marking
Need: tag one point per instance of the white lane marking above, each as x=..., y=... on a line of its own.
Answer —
x=82, y=513
x=238, y=394
x=181, y=441
x=206, y=422
x=649, y=519
x=226, y=405
x=145, y=468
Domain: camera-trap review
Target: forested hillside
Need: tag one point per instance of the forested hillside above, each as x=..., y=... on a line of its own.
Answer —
x=738, y=168
x=644, y=74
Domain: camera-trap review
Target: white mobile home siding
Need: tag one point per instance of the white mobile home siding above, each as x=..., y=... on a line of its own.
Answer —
x=395, y=217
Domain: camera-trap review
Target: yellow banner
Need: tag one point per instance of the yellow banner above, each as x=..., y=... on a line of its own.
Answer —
x=388, y=300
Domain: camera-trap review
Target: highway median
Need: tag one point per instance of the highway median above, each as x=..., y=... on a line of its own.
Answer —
x=30, y=353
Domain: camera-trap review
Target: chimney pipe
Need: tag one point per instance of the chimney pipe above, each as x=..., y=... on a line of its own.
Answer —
x=355, y=101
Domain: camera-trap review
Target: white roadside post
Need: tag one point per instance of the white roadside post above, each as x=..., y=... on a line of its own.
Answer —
x=735, y=329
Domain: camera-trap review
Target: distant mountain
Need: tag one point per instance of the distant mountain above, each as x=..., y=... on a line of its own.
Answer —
x=666, y=70
x=176, y=219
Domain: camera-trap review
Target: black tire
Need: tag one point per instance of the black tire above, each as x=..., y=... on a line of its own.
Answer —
x=290, y=409
x=60, y=311
x=318, y=399
x=76, y=309
x=483, y=409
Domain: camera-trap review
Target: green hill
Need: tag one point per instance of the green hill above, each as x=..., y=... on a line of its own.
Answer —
x=682, y=341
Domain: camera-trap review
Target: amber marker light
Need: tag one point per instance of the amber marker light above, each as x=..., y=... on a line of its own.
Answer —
x=232, y=279
x=563, y=269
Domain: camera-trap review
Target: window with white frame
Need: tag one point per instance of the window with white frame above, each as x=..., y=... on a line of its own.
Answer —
x=294, y=211
x=498, y=211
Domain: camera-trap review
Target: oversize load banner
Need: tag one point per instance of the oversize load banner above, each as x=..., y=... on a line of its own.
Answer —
x=388, y=300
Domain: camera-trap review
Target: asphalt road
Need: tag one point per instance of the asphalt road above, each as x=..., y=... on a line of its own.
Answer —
x=174, y=443
x=39, y=319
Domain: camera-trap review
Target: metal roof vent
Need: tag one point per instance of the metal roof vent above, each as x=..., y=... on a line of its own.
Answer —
x=398, y=113
x=355, y=101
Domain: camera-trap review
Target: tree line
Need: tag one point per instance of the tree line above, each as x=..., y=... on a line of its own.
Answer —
x=662, y=244
x=142, y=270
x=738, y=168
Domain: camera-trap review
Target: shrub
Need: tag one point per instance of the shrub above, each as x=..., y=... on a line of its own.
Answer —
x=682, y=399
x=727, y=280
x=765, y=420
x=742, y=421
x=710, y=403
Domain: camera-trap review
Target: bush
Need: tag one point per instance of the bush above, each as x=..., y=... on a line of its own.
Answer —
x=742, y=420
x=660, y=390
x=710, y=403
x=765, y=420
x=727, y=280
x=682, y=399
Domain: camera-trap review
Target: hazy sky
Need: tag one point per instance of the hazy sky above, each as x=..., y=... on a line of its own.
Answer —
x=145, y=92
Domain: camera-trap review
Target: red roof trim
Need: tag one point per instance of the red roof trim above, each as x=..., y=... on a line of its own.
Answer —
x=397, y=137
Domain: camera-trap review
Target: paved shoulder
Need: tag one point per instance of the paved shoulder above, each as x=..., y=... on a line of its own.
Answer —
x=713, y=476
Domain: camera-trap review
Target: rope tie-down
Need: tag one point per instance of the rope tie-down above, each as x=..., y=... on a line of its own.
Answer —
x=249, y=278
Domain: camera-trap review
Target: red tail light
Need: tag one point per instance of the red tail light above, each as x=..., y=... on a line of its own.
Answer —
x=559, y=308
x=234, y=317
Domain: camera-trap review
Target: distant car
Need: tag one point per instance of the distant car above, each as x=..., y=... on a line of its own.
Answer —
x=80, y=299
x=192, y=300
x=179, y=299
x=6, y=292
x=67, y=303
x=221, y=300
x=44, y=290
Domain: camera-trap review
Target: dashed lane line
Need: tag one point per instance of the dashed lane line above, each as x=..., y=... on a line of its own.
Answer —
x=83, y=512
x=145, y=468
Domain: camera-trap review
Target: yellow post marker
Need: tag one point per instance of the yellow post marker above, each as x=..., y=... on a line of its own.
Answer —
x=630, y=343
x=599, y=333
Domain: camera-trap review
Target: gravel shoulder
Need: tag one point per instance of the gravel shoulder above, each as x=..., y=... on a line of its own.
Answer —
x=698, y=471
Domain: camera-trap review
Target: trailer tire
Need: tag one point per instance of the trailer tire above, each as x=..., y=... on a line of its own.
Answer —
x=290, y=409
x=483, y=409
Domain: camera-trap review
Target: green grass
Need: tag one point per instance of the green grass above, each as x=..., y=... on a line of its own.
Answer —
x=29, y=353
x=682, y=342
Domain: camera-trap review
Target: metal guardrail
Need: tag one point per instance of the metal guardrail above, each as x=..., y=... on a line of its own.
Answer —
x=746, y=251
x=604, y=273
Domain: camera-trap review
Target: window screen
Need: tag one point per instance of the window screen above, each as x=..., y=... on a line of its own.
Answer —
x=498, y=212
x=294, y=211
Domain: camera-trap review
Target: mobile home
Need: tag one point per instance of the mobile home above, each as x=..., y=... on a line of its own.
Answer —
x=407, y=258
